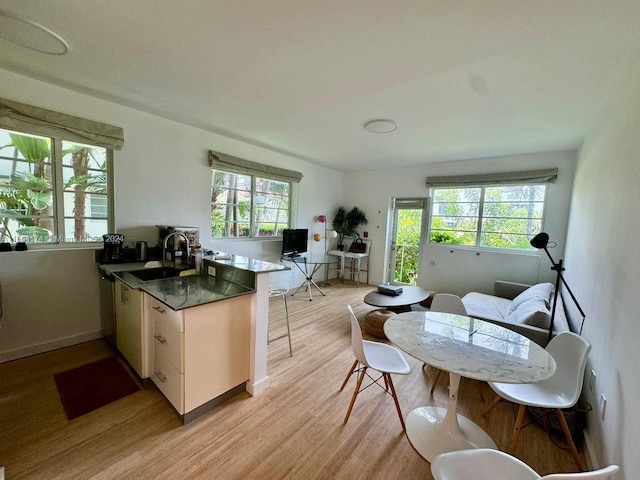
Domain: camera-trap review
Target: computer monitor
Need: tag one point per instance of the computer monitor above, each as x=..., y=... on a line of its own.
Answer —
x=294, y=241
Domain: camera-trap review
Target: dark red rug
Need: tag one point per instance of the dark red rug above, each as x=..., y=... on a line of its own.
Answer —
x=92, y=386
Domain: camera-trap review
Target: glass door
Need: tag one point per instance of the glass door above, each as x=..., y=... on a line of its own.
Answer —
x=406, y=240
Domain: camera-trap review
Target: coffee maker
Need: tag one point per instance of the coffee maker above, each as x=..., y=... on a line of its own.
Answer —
x=113, y=250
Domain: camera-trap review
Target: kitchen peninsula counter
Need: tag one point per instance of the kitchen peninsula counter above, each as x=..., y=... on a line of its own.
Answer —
x=216, y=321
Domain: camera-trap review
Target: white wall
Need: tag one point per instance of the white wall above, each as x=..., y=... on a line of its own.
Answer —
x=463, y=270
x=161, y=177
x=603, y=264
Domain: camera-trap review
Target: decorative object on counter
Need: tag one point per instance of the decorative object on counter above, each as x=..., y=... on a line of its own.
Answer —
x=141, y=251
x=346, y=222
x=5, y=247
x=92, y=386
x=541, y=241
x=21, y=246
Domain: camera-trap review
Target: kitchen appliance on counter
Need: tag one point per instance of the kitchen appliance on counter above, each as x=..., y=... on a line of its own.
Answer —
x=176, y=245
x=113, y=248
x=142, y=253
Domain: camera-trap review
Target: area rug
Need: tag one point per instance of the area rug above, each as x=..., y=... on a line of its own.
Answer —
x=92, y=386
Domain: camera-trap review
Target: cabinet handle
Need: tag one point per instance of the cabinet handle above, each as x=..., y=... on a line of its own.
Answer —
x=159, y=309
x=160, y=376
x=160, y=338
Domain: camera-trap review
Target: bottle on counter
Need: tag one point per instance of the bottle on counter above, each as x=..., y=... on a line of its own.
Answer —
x=197, y=255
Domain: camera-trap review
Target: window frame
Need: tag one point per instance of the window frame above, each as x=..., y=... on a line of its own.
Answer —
x=60, y=234
x=252, y=220
x=480, y=218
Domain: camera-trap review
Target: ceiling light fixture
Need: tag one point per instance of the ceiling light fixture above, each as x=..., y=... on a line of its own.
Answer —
x=381, y=125
x=30, y=34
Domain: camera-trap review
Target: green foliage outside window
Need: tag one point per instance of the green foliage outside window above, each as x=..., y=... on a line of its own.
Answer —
x=493, y=216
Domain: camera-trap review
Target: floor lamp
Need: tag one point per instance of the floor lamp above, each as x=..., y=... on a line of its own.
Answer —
x=327, y=234
x=541, y=241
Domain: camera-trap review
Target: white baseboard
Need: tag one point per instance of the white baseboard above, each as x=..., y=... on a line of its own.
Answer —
x=257, y=387
x=592, y=463
x=49, y=346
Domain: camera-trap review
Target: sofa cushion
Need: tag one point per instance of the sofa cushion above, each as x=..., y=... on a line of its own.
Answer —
x=541, y=291
x=480, y=305
x=532, y=312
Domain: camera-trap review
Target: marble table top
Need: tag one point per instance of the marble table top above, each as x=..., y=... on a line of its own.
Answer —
x=469, y=347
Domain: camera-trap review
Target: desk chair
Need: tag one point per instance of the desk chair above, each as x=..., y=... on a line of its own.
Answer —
x=281, y=292
x=356, y=259
x=497, y=465
x=562, y=390
x=378, y=356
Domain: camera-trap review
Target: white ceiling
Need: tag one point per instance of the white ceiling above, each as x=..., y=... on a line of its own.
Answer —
x=462, y=78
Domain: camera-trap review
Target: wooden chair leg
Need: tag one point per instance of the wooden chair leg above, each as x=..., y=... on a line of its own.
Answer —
x=346, y=379
x=435, y=381
x=567, y=434
x=516, y=430
x=492, y=405
x=395, y=399
x=386, y=384
x=479, y=387
x=355, y=392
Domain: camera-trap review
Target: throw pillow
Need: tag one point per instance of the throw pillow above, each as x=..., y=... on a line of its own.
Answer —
x=532, y=312
x=540, y=290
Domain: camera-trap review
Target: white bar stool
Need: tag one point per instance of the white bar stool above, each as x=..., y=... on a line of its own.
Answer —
x=281, y=292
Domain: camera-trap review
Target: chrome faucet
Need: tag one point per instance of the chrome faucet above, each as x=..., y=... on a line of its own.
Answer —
x=164, y=249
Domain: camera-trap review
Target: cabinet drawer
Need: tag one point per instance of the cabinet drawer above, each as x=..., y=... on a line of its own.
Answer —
x=172, y=317
x=169, y=381
x=168, y=339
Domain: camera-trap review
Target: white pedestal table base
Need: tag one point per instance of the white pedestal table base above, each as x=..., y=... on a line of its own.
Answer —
x=435, y=430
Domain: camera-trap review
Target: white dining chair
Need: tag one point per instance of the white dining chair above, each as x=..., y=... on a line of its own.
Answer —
x=562, y=390
x=381, y=357
x=496, y=465
x=448, y=303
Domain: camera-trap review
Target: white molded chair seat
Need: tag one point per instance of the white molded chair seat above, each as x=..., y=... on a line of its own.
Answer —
x=381, y=357
x=486, y=463
x=562, y=390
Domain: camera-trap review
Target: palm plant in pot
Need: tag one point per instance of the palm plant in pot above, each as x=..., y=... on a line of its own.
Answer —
x=346, y=222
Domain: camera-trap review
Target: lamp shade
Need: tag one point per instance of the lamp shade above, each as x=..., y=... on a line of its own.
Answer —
x=322, y=218
x=540, y=240
x=317, y=237
x=332, y=234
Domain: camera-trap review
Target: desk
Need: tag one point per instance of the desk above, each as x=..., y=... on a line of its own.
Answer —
x=399, y=303
x=465, y=347
x=315, y=261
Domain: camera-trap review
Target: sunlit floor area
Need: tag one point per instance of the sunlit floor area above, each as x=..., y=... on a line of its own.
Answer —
x=293, y=430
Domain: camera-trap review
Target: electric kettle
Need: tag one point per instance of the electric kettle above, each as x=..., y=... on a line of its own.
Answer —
x=141, y=251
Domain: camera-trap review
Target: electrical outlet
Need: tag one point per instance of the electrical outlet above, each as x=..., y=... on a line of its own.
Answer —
x=602, y=406
x=592, y=381
x=432, y=263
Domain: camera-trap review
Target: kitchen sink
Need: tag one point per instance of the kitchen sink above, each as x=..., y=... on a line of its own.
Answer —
x=155, y=273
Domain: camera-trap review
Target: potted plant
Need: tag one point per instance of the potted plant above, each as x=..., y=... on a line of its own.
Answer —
x=346, y=222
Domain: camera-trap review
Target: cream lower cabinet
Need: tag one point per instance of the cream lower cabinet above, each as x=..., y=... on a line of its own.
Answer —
x=131, y=331
x=201, y=352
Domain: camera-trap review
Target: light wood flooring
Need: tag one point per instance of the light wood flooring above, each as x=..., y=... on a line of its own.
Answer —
x=293, y=430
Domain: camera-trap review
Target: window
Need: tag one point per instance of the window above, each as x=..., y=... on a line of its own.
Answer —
x=248, y=205
x=52, y=190
x=488, y=216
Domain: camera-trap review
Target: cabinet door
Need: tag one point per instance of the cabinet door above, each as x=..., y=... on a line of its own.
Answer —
x=216, y=349
x=129, y=326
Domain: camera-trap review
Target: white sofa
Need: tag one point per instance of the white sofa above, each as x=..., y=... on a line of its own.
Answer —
x=525, y=309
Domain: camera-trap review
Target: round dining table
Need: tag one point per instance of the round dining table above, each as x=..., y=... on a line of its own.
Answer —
x=464, y=347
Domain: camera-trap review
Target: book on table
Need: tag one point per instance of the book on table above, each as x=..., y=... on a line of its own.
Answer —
x=391, y=290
